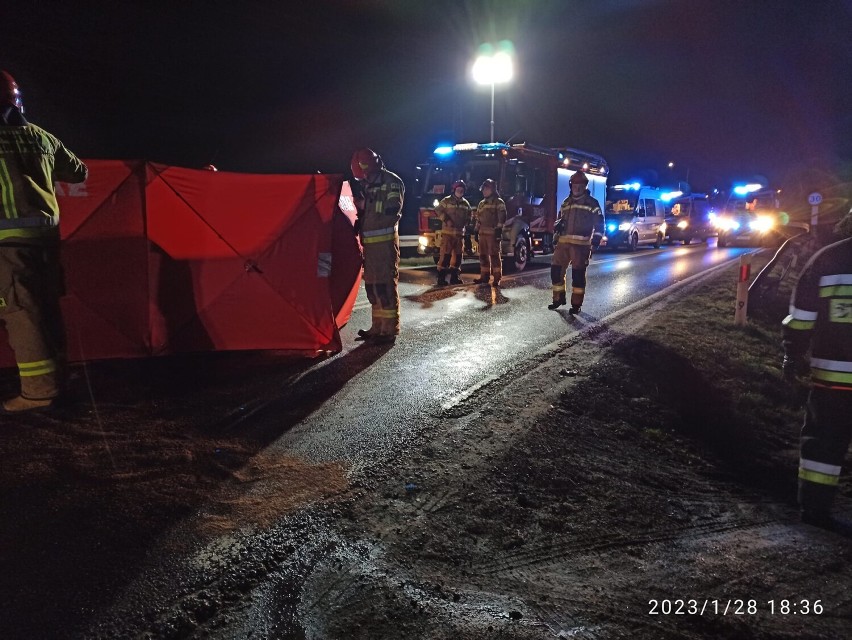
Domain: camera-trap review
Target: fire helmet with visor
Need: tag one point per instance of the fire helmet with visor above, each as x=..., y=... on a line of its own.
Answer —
x=364, y=162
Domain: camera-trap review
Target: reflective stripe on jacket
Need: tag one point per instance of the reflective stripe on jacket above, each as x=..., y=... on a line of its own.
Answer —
x=382, y=204
x=581, y=216
x=490, y=214
x=454, y=210
x=31, y=160
x=821, y=316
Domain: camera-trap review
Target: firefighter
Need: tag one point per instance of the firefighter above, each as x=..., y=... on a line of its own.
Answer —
x=31, y=159
x=490, y=218
x=454, y=212
x=821, y=319
x=579, y=217
x=379, y=206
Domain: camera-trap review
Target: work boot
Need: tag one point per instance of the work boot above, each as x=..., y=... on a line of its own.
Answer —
x=20, y=404
x=574, y=310
x=555, y=305
x=442, y=278
x=496, y=282
x=454, y=278
x=482, y=280
x=825, y=520
x=366, y=334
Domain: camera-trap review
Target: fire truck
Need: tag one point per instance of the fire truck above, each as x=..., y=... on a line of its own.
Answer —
x=532, y=180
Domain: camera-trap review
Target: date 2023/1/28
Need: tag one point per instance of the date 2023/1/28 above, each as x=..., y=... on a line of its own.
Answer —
x=736, y=607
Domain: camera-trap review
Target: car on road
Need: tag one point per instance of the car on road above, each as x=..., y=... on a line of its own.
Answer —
x=635, y=215
x=690, y=218
x=747, y=228
x=751, y=218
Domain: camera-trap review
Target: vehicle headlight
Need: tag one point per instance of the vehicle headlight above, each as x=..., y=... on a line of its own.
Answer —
x=762, y=224
x=624, y=226
x=683, y=224
x=424, y=241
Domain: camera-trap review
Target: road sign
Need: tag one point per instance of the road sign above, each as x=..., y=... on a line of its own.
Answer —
x=815, y=198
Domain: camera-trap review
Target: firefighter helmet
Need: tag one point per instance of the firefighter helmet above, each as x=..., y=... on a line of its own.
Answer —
x=10, y=95
x=489, y=183
x=459, y=183
x=364, y=162
x=579, y=178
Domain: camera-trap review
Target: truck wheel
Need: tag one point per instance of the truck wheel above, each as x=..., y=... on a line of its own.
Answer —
x=521, y=254
x=633, y=242
x=722, y=241
x=435, y=258
x=687, y=240
x=658, y=241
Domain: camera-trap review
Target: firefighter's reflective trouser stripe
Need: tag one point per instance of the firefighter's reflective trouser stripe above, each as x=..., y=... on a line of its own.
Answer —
x=574, y=239
x=384, y=298
x=824, y=440
x=800, y=319
x=831, y=373
x=490, y=262
x=577, y=256
x=381, y=279
x=30, y=286
x=451, y=250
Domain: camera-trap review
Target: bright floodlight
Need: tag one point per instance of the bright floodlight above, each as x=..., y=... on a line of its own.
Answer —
x=493, y=69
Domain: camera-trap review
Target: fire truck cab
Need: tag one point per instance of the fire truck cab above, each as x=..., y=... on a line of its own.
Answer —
x=532, y=180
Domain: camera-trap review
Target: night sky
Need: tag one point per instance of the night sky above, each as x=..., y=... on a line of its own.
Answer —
x=725, y=89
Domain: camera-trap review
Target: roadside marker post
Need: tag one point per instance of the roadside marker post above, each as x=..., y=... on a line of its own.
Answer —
x=741, y=312
x=814, y=200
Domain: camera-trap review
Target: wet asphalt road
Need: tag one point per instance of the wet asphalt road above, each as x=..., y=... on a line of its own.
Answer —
x=370, y=401
x=365, y=407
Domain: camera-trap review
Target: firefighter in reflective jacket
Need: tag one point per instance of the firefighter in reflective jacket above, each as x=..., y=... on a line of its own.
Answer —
x=31, y=159
x=490, y=218
x=379, y=211
x=579, y=217
x=821, y=318
x=454, y=212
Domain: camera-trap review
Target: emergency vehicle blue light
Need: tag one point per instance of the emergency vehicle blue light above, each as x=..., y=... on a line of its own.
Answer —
x=745, y=189
x=444, y=151
x=493, y=146
x=611, y=227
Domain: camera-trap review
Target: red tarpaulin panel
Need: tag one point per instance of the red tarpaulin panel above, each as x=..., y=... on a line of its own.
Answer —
x=162, y=260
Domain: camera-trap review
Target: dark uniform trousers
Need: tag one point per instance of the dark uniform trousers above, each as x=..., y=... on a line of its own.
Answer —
x=825, y=439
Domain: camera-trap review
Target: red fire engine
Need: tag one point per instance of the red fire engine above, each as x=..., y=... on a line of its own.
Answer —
x=532, y=180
